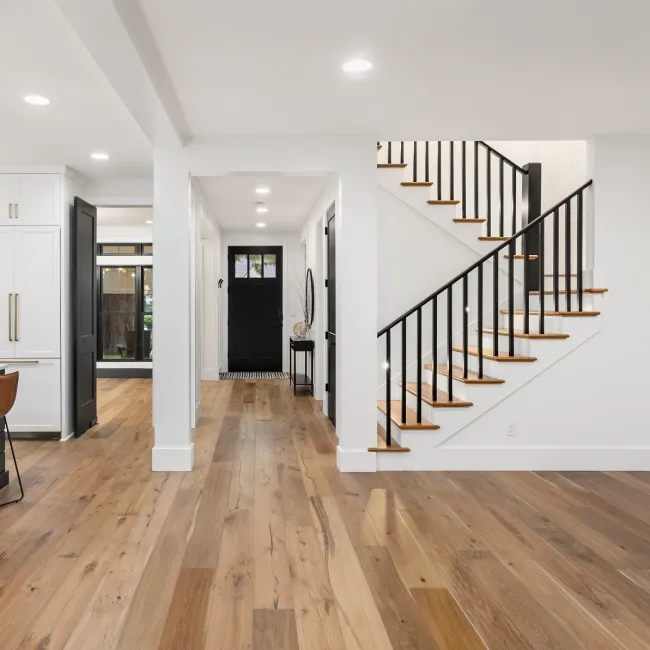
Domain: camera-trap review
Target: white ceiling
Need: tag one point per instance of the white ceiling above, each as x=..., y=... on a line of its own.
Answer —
x=41, y=54
x=504, y=69
x=124, y=216
x=232, y=199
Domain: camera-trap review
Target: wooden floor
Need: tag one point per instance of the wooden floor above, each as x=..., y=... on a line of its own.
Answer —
x=266, y=546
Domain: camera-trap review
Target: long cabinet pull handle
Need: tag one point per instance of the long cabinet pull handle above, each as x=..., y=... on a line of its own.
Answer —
x=10, y=215
x=15, y=210
x=16, y=318
x=11, y=295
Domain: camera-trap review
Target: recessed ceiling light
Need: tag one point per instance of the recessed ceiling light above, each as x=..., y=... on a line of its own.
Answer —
x=37, y=100
x=261, y=209
x=262, y=190
x=261, y=225
x=357, y=66
x=99, y=155
x=149, y=221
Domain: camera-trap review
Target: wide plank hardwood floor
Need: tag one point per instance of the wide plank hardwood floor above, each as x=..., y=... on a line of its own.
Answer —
x=265, y=545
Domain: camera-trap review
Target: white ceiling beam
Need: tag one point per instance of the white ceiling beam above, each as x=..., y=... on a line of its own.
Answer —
x=116, y=35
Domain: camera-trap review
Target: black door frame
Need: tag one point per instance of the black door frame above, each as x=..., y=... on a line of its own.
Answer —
x=330, y=334
x=278, y=251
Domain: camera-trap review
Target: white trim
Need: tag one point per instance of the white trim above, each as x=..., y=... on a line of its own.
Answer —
x=64, y=438
x=531, y=459
x=210, y=375
x=355, y=460
x=197, y=413
x=124, y=364
x=172, y=459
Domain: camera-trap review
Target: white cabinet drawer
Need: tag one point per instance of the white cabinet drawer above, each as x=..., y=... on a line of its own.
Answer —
x=38, y=402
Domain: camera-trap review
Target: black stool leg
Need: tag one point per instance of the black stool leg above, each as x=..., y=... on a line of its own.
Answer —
x=13, y=453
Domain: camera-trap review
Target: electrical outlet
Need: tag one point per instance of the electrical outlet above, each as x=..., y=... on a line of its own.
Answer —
x=512, y=429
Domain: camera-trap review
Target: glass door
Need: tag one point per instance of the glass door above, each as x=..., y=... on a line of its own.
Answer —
x=117, y=303
x=147, y=312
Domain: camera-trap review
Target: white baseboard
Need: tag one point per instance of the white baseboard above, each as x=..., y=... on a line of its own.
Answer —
x=355, y=460
x=533, y=459
x=172, y=459
x=65, y=437
x=210, y=375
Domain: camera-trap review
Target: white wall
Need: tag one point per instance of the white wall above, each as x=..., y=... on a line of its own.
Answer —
x=589, y=410
x=139, y=233
x=293, y=272
x=120, y=191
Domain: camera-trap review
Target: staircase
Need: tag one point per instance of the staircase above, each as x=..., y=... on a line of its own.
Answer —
x=477, y=339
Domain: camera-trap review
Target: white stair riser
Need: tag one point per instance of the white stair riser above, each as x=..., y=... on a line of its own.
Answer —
x=395, y=431
x=549, y=302
x=444, y=417
x=552, y=324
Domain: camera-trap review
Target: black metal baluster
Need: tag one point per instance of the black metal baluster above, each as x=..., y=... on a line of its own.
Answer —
x=415, y=161
x=450, y=351
x=434, y=349
x=476, y=215
x=451, y=170
x=579, y=251
x=401, y=152
x=463, y=190
x=524, y=250
x=488, y=181
x=541, y=282
x=514, y=201
x=388, y=404
x=567, y=255
x=404, y=371
x=495, y=304
x=419, y=365
x=501, y=206
x=511, y=298
x=465, y=328
x=480, y=320
x=556, y=260
x=426, y=161
x=390, y=153
x=439, y=171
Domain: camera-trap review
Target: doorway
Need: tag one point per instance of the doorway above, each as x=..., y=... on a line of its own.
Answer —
x=255, y=316
x=331, y=314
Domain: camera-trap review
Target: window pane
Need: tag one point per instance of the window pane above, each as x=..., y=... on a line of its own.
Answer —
x=147, y=249
x=127, y=249
x=147, y=288
x=147, y=340
x=118, y=289
x=269, y=266
x=241, y=266
x=255, y=266
x=118, y=336
x=110, y=250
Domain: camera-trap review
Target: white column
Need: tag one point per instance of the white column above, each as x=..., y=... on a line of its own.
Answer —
x=356, y=333
x=173, y=449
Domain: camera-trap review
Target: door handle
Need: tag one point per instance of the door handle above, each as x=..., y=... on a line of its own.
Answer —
x=16, y=318
x=11, y=325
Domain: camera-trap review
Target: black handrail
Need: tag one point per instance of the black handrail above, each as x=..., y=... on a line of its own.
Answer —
x=533, y=250
x=505, y=159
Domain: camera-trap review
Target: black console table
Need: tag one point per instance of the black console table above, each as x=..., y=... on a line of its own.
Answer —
x=4, y=474
x=301, y=345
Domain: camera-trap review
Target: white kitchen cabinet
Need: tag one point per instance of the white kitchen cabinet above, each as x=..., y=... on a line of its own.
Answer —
x=37, y=292
x=38, y=402
x=6, y=291
x=30, y=199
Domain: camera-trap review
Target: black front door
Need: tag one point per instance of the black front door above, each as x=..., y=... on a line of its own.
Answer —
x=331, y=315
x=84, y=315
x=254, y=308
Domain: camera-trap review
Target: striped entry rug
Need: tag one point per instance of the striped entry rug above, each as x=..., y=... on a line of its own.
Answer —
x=254, y=375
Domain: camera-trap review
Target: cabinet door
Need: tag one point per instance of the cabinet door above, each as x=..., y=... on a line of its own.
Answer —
x=39, y=200
x=6, y=291
x=8, y=198
x=38, y=401
x=37, y=299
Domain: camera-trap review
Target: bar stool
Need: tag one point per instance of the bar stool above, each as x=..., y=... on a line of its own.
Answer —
x=8, y=390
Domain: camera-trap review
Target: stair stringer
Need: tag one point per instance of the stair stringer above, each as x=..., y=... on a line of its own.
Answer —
x=424, y=444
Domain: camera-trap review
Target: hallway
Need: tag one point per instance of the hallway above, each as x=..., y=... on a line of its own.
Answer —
x=266, y=545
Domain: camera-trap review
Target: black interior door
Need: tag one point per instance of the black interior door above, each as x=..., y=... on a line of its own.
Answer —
x=254, y=308
x=331, y=314
x=84, y=316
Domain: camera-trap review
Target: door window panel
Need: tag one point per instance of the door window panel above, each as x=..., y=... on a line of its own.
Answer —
x=118, y=302
x=255, y=266
x=270, y=267
x=241, y=266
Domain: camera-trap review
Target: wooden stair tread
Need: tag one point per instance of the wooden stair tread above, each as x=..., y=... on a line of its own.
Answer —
x=520, y=312
x=520, y=334
x=382, y=447
x=520, y=257
x=457, y=373
x=469, y=220
x=443, y=398
x=391, y=165
x=502, y=356
x=550, y=292
x=443, y=202
x=411, y=417
x=416, y=183
x=493, y=238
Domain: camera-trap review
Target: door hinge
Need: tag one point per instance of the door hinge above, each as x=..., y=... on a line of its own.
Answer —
x=325, y=283
x=326, y=335
x=327, y=388
x=326, y=230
